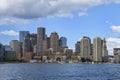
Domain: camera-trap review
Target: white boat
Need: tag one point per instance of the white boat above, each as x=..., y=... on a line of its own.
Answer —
x=92, y=62
x=60, y=62
x=70, y=62
x=33, y=61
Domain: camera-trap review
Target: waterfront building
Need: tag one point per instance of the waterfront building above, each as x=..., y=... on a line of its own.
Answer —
x=26, y=45
x=97, y=46
x=40, y=38
x=22, y=34
x=77, y=48
x=63, y=49
x=116, y=52
x=10, y=55
x=85, y=47
x=28, y=56
x=15, y=46
x=63, y=42
x=35, y=50
x=104, y=51
x=45, y=46
x=54, y=42
x=1, y=52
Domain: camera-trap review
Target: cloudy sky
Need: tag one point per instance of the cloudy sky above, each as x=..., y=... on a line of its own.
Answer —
x=70, y=18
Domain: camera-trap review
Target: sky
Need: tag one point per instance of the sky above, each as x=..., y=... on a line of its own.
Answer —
x=72, y=19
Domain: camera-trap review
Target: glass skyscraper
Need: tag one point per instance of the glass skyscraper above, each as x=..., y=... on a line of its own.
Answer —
x=22, y=34
x=63, y=41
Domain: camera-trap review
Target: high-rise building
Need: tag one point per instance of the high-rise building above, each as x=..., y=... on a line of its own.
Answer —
x=45, y=45
x=63, y=41
x=97, y=52
x=22, y=34
x=15, y=46
x=116, y=52
x=77, y=47
x=1, y=52
x=54, y=42
x=91, y=50
x=26, y=45
x=40, y=38
x=33, y=40
x=85, y=47
x=104, y=51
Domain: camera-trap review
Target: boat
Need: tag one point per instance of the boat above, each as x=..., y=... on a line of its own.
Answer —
x=70, y=62
x=33, y=61
x=92, y=62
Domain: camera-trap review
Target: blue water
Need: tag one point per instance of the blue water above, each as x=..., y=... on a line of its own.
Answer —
x=27, y=71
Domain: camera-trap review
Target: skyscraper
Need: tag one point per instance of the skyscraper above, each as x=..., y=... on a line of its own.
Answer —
x=40, y=38
x=15, y=46
x=63, y=41
x=22, y=34
x=54, y=42
x=33, y=40
x=104, y=51
x=97, y=52
x=85, y=47
x=1, y=52
x=26, y=45
x=77, y=47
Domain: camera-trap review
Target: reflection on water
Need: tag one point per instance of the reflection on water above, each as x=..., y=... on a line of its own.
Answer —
x=26, y=71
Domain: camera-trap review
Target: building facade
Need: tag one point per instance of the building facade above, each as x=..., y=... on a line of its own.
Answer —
x=97, y=46
x=63, y=42
x=77, y=48
x=1, y=52
x=54, y=42
x=15, y=46
x=40, y=38
x=116, y=52
x=26, y=45
x=104, y=51
x=85, y=47
x=22, y=34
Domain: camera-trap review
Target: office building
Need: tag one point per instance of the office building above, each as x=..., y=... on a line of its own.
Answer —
x=104, y=51
x=97, y=52
x=54, y=42
x=15, y=46
x=116, y=52
x=63, y=42
x=22, y=34
x=85, y=47
x=1, y=52
x=77, y=48
x=26, y=45
x=40, y=38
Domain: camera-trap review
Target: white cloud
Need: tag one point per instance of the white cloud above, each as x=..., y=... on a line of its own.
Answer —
x=83, y=14
x=29, y=9
x=9, y=33
x=115, y=28
x=22, y=10
x=13, y=21
x=117, y=1
x=112, y=43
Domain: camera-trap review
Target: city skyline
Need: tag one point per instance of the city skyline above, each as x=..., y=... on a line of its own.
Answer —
x=73, y=20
